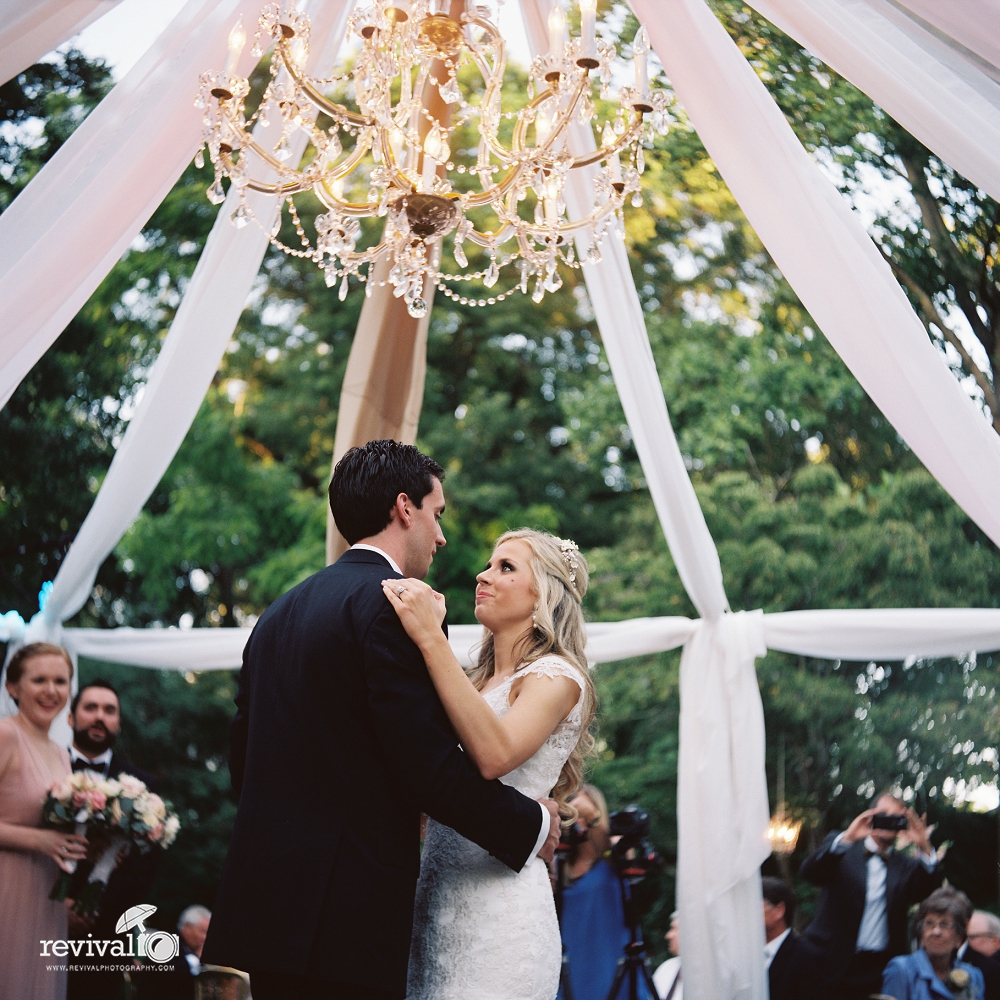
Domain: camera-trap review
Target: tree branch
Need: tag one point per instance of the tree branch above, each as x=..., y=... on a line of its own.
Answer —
x=933, y=315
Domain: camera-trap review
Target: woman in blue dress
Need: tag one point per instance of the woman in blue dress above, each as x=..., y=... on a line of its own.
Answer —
x=933, y=972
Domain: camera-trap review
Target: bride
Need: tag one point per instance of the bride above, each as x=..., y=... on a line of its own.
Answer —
x=481, y=931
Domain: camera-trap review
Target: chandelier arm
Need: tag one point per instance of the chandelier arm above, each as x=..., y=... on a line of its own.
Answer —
x=493, y=239
x=356, y=209
x=633, y=132
x=322, y=103
x=493, y=78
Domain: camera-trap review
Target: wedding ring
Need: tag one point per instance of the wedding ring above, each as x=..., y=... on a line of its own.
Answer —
x=399, y=591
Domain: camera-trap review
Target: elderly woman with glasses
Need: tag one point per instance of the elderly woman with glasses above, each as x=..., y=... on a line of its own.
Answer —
x=933, y=972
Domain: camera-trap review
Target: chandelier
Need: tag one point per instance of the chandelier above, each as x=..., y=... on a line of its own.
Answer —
x=470, y=169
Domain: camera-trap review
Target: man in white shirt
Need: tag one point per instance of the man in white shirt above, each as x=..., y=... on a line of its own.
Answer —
x=789, y=958
x=667, y=978
x=868, y=887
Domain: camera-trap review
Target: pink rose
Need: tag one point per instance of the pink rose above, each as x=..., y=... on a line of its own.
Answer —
x=98, y=799
x=80, y=799
x=156, y=834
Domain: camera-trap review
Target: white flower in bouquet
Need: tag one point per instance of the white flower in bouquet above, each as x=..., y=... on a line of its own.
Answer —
x=131, y=787
x=170, y=829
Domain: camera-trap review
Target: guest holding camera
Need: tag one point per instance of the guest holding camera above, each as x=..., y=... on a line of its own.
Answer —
x=38, y=679
x=933, y=972
x=868, y=887
x=594, y=930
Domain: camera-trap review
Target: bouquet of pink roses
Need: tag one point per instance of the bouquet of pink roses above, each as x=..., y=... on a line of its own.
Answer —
x=114, y=815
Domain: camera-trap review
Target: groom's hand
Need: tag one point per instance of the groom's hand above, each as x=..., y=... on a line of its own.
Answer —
x=548, y=850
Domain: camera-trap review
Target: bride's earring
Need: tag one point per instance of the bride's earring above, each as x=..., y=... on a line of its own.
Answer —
x=534, y=617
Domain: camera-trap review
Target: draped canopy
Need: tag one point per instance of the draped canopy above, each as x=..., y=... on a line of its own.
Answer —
x=935, y=68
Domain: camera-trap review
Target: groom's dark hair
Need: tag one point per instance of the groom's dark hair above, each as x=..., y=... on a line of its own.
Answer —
x=367, y=480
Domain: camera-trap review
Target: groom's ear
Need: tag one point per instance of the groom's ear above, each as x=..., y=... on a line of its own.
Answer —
x=402, y=510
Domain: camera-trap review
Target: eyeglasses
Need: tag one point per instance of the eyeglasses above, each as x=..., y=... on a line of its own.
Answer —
x=929, y=924
x=985, y=934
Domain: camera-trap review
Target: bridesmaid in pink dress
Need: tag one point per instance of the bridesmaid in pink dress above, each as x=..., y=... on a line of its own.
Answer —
x=38, y=679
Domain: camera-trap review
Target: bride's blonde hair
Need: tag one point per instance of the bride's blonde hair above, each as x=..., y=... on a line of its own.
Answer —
x=560, y=583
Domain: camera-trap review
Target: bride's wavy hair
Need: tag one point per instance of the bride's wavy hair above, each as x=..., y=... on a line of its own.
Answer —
x=560, y=583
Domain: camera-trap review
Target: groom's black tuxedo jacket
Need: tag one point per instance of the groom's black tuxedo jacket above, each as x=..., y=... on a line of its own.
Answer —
x=338, y=743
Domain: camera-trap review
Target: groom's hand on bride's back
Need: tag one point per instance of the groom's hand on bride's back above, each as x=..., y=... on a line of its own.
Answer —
x=548, y=850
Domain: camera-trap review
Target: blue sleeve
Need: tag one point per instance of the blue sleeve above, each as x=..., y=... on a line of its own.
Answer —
x=895, y=981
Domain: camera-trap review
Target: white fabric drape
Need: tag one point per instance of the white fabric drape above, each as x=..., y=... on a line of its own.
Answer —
x=188, y=360
x=65, y=230
x=722, y=810
x=825, y=254
x=972, y=25
x=622, y=325
x=859, y=635
x=937, y=91
x=31, y=28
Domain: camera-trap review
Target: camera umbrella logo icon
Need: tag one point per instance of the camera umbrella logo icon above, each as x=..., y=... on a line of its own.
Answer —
x=157, y=946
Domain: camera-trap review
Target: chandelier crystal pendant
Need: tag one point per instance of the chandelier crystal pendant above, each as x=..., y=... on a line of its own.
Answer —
x=505, y=194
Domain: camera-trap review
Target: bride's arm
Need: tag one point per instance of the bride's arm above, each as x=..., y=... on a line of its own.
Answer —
x=496, y=745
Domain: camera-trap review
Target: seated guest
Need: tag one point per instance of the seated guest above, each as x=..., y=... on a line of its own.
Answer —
x=932, y=971
x=667, y=978
x=788, y=957
x=868, y=889
x=96, y=720
x=178, y=983
x=592, y=922
x=982, y=949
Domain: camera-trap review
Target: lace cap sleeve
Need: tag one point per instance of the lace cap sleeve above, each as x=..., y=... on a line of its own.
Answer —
x=553, y=666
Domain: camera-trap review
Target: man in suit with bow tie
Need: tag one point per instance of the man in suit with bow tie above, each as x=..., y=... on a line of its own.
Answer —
x=95, y=717
x=868, y=887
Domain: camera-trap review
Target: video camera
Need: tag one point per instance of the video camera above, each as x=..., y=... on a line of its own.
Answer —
x=633, y=856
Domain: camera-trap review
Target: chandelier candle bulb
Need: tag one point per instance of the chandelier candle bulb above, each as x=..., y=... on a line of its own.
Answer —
x=615, y=168
x=237, y=41
x=432, y=151
x=588, y=34
x=640, y=50
x=557, y=31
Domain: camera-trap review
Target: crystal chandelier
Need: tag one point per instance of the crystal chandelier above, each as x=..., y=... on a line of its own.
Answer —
x=503, y=193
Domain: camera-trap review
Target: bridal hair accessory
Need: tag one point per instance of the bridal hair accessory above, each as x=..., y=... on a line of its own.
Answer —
x=569, y=549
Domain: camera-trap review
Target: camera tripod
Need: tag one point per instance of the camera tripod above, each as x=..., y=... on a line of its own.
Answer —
x=634, y=962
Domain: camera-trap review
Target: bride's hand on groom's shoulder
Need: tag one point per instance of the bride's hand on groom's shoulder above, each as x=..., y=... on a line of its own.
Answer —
x=421, y=609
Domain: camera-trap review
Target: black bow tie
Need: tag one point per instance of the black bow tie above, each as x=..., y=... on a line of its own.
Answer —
x=82, y=764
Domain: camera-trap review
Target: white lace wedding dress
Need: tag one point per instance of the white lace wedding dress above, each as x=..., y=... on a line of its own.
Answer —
x=481, y=931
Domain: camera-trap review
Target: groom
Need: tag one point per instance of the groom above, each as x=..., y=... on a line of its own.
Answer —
x=339, y=743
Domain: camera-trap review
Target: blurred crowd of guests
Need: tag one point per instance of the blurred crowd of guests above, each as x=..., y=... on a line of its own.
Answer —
x=39, y=677
x=865, y=941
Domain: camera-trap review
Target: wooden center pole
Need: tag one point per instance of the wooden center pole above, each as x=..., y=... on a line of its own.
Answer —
x=383, y=386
